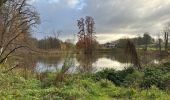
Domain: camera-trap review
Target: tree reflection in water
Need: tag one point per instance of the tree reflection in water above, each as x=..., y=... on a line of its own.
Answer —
x=85, y=62
x=82, y=62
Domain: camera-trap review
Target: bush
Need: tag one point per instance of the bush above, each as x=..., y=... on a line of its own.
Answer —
x=166, y=79
x=105, y=83
x=117, y=77
x=165, y=67
x=133, y=80
x=157, y=76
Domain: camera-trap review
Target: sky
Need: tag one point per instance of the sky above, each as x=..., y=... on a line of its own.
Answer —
x=114, y=19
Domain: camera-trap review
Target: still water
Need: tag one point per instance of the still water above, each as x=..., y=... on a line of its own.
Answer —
x=83, y=63
x=100, y=64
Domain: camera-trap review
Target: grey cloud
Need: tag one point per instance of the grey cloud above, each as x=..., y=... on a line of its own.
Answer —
x=111, y=16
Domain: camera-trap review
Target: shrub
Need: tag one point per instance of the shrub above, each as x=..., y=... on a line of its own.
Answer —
x=117, y=77
x=133, y=80
x=167, y=82
x=153, y=76
x=105, y=83
x=165, y=67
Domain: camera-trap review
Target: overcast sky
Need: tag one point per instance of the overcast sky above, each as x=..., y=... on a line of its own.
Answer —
x=113, y=18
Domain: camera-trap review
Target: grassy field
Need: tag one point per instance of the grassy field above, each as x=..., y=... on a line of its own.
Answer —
x=148, y=84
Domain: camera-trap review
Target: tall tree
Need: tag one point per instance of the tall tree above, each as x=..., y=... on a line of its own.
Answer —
x=166, y=36
x=146, y=39
x=86, y=34
x=17, y=18
x=166, y=32
x=159, y=43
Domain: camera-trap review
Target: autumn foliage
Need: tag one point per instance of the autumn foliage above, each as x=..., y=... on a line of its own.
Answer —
x=86, y=37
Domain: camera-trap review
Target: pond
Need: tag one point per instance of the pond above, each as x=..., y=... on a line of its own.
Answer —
x=100, y=64
x=86, y=63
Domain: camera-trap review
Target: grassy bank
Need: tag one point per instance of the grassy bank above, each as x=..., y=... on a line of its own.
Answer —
x=148, y=84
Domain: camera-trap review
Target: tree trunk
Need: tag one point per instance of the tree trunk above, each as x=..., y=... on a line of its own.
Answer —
x=146, y=47
x=160, y=45
x=166, y=41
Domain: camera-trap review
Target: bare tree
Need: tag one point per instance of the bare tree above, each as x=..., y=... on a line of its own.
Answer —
x=159, y=43
x=86, y=34
x=166, y=36
x=90, y=32
x=166, y=32
x=17, y=18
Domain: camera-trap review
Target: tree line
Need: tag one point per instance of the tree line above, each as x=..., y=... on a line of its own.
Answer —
x=145, y=40
x=53, y=43
x=49, y=43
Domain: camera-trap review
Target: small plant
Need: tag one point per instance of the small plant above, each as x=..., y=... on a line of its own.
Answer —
x=104, y=83
x=68, y=63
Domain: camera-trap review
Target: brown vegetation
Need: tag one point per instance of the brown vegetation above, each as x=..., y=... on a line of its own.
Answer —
x=17, y=17
x=86, y=37
x=130, y=50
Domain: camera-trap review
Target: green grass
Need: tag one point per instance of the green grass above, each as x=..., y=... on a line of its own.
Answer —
x=79, y=87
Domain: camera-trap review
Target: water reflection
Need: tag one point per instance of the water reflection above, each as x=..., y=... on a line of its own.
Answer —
x=151, y=59
x=85, y=62
x=82, y=63
x=109, y=63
